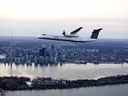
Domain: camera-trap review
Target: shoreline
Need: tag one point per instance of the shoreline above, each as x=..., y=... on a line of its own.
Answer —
x=42, y=83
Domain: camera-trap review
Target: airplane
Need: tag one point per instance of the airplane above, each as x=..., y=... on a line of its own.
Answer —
x=72, y=37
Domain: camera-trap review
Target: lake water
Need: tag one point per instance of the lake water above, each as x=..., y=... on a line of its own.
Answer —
x=68, y=71
x=116, y=90
x=65, y=71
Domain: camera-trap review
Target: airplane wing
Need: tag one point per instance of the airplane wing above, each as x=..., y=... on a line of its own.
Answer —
x=75, y=31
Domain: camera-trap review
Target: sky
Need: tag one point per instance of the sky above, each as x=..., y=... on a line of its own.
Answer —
x=21, y=16
x=54, y=9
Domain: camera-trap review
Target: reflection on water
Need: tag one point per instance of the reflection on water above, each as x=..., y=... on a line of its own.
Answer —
x=65, y=71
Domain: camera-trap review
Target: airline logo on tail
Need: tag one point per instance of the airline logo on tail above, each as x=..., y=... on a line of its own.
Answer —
x=95, y=33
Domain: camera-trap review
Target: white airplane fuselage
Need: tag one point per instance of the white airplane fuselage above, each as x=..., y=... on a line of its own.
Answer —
x=65, y=38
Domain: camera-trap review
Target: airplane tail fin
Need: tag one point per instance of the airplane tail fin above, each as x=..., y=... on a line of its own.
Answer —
x=95, y=33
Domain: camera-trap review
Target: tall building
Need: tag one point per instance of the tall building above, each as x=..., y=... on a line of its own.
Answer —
x=42, y=52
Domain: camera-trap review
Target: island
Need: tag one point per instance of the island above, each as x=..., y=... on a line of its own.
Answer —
x=26, y=83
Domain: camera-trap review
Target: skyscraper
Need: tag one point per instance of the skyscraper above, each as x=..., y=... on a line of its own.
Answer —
x=42, y=52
